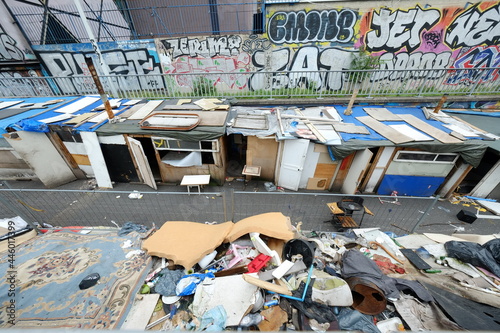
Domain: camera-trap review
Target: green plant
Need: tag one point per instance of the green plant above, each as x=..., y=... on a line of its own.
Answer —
x=203, y=87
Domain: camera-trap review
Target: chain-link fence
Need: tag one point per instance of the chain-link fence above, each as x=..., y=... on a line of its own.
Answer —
x=67, y=208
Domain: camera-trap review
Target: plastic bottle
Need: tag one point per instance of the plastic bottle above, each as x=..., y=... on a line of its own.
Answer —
x=251, y=319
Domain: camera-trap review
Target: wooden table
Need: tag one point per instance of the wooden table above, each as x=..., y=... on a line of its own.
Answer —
x=195, y=180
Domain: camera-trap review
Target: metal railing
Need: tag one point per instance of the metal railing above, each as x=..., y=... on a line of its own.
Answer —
x=267, y=85
x=116, y=21
x=70, y=208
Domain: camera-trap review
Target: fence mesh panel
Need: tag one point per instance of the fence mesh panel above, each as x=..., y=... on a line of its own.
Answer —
x=65, y=208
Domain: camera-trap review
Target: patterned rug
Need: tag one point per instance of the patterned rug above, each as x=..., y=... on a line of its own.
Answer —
x=48, y=270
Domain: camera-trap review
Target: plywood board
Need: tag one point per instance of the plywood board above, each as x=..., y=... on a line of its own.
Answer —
x=181, y=107
x=429, y=129
x=461, y=129
x=325, y=170
x=78, y=105
x=384, y=130
x=206, y=104
x=113, y=103
x=132, y=110
x=57, y=118
x=317, y=183
x=80, y=118
x=382, y=114
x=132, y=102
x=350, y=128
x=139, y=315
x=6, y=104
x=81, y=159
x=183, y=101
x=251, y=122
x=145, y=110
x=411, y=132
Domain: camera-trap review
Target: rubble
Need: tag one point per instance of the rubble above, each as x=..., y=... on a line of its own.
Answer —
x=262, y=273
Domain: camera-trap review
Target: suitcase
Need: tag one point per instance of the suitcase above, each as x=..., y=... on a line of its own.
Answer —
x=466, y=216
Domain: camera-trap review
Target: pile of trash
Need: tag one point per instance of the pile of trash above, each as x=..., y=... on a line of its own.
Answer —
x=263, y=273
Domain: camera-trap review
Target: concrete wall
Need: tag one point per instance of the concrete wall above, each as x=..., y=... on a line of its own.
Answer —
x=304, y=38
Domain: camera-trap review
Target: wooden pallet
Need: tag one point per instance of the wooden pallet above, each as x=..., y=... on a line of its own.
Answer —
x=347, y=221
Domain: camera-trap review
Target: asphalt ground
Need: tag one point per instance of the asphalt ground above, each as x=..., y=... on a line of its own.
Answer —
x=241, y=199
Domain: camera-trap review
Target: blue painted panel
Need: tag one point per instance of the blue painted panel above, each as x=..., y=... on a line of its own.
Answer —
x=418, y=186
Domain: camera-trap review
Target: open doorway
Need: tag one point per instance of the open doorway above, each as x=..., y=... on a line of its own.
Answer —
x=149, y=151
x=236, y=154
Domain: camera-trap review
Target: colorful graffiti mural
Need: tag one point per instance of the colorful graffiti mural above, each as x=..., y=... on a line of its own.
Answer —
x=122, y=58
x=431, y=38
x=307, y=47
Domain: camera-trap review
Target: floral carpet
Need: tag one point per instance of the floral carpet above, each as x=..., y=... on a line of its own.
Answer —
x=41, y=284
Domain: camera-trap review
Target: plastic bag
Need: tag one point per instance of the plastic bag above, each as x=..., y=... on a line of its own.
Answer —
x=473, y=253
x=188, y=283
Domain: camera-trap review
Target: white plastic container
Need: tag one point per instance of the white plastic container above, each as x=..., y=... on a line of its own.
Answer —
x=390, y=325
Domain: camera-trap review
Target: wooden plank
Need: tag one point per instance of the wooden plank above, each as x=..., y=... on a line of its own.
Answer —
x=80, y=118
x=131, y=110
x=140, y=314
x=57, y=118
x=411, y=132
x=312, y=128
x=382, y=114
x=251, y=122
x=267, y=285
x=347, y=222
x=429, y=129
x=350, y=128
x=81, y=159
x=78, y=105
x=6, y=104
x=183, y=101
x=206, y=104
x=325, y=170
x=181, y=107
x=384, y=130
x=145, y=110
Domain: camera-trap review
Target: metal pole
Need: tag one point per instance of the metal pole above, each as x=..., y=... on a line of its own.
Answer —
x=104, y=66
x=424, y=215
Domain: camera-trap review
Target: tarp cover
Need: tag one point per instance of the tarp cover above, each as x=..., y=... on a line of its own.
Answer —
x=471, y=151
x=132, y=127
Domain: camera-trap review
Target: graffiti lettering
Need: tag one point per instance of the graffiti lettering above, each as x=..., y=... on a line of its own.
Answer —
x=309, y=68
x=254, y=43
x=8, y=49
x=210, y=47
x=432, y=38
x=313, y=26
x=477, y=58
x=391, y=31
x=474, y=27
x=137, y=61
x=414, y=61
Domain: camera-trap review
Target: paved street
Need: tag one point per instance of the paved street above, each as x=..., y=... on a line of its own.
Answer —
x=72, y=204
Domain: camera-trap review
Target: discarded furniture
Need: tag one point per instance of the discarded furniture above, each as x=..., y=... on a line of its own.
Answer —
x=250, y=171
x=195, y=180
x=343, y=212
x=170, y=121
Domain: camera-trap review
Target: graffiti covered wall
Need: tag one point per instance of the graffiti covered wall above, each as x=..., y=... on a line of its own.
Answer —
x=304, y=46
x=121, y=58
x=13, y=46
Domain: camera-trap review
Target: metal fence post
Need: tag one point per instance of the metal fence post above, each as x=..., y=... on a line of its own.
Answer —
x=424, y=215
